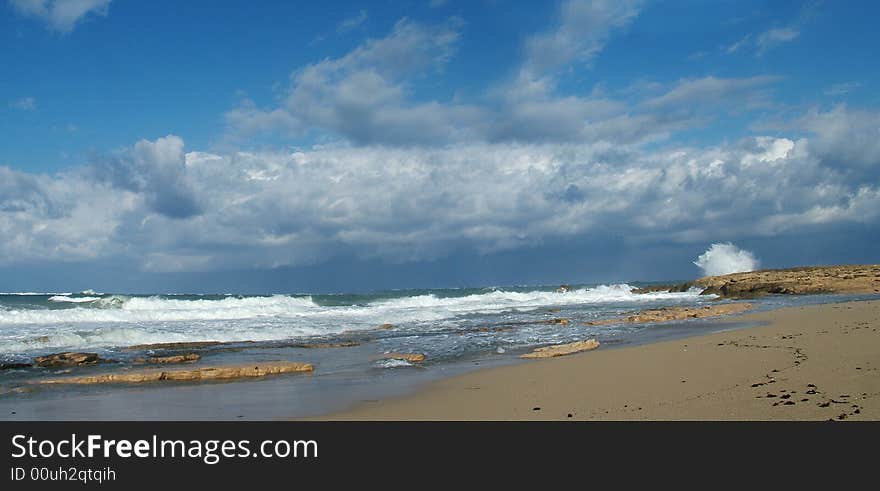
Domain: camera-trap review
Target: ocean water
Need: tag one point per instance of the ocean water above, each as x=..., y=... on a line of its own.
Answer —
x=457, y=330
x=440, y=323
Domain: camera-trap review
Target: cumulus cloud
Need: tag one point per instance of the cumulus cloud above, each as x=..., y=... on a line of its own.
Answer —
x=167, y=209
x=364, y=97
x=845, y=138
x=582, y=30
x=726, y=258
x=157, y=171
x=61, y=15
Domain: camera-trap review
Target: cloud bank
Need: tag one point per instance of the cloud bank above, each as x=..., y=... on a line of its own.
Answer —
x=171, y=210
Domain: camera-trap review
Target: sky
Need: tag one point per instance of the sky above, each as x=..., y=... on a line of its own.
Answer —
x=259, y=147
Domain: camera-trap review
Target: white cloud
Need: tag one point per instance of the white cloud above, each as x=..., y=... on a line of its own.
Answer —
x=845, y=138
x=365, y=96
x=733, y=48
x=24, y=104
x=352, y=22
x=168, y=210
x=711, y=90
x=582, y=29
x=764, y=41
x=774, y=37
x=61, y=15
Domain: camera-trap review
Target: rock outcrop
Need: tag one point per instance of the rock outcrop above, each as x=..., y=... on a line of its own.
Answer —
x=853, y=279
x=666, y=314
x=67, y=359
x=562, y=349
x=226, y=372
x=167, y=360
x=410, y=357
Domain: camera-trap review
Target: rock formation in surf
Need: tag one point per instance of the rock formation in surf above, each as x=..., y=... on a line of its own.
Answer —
x=853, y=279
x=562, y=349
x=225, y=372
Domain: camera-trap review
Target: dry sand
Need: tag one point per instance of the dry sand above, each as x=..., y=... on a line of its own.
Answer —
x=809, y=363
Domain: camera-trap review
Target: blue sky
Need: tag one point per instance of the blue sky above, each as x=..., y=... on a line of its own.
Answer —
x=319, y=146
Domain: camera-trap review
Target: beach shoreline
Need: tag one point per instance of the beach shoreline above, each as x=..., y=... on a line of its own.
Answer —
x=814, y=362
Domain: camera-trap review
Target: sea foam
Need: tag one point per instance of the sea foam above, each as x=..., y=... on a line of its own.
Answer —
x=76, y=321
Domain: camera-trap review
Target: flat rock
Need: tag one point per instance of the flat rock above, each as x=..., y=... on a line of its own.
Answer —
x=67, y=359
x=165, y=360
x=225, y=372
x=562, y=349
x=14, y=366
x=410, y=357
x=666, y=314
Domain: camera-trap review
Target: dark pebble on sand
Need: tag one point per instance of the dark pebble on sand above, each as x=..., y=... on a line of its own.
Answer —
x=753, y=385
x=570, y=416
x=824, y=404
x=841, y=416
x=770, y=395
x=811, y=385
x=857, y=411
x=785, y=396
x=789, y=403
x=536, y=409
x=811, y=391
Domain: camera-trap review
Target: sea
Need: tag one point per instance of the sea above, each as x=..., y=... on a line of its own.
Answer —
x=457, y=329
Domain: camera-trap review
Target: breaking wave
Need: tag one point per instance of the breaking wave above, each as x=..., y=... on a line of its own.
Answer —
x=80, y=321
x=64, y=298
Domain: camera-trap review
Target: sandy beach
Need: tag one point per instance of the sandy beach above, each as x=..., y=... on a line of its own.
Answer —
x=815, y=362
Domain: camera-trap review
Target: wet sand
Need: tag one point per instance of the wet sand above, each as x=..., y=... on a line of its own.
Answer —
x=814, y=362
